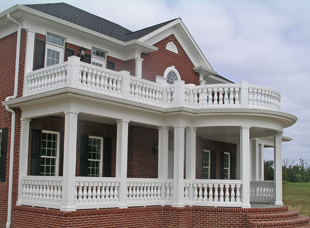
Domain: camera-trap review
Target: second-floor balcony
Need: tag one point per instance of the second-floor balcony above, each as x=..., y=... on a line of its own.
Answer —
x=83, y=76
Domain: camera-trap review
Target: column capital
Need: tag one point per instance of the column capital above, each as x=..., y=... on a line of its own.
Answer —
x=25, y=119
x=139, y=59
x=179, y=126
x=244, y=127
x=71, y=112
x=30, y=30
x=122, y=121
x=191, y=128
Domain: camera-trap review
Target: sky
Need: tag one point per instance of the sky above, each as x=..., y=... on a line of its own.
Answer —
x=264, y=42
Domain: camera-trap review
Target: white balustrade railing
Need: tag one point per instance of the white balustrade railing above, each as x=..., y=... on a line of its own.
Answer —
x=216, y=192
x=97, y=192
x=141, y=191
x=96, y=79
x=146, y=91
x=43, y=192
x=262, y=191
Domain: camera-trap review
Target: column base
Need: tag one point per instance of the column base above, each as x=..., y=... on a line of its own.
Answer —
x=278, y=203
x=246, y=206
x=68, y=208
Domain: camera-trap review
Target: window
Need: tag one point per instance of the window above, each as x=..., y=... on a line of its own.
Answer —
x=94, y=164
x=54, y=49
x=98, y=57
x=3, y=150
x=206, y=164
x=226, y=165
x=49, y=153
x=111, y=65
x=171, y=75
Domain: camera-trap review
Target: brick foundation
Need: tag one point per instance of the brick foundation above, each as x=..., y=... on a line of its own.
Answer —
x=157, y=216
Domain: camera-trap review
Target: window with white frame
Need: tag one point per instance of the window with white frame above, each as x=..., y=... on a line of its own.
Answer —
x=226, y=165
x=206, y=164
x=98, y=57
x=95, y=149
x=171, y=74
x=49, y=153
x=54, y=49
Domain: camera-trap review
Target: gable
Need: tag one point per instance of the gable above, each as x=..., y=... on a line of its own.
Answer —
x=157, y=62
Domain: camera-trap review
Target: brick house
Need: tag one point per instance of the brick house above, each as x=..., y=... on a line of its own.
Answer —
x=105, y=127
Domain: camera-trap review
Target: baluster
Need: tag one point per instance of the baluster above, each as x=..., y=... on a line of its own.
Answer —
x=237, y=99
x=85, y=192
x=195, y=192
x=216, y=199
x=94, y=192
x=134, y=191
x=119, y=81
x=112, y=192
x=227, y=193
x=232, y=193
x=76, y=193
x=103, y=192
x=169, y=95
x=130, y=191
x=210, y=197
x=158, y=191
x=138, y=191
x=226, y=96
x=210, y=99
x=148, y=194
x=205, y=192
x=52, y=191
x=89, y=192
x=108, y=191
x=220, y=96
x=116, y=192
x=221, y=192
x=230, y=94
x=99, y=199
x=40, y=189
x=238, y=193
x=105, y=81
x=195, y=92
x=200, y=192
x=167, y=191
x=80, y=192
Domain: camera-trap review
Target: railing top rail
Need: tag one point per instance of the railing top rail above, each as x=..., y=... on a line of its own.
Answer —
x=96, y=179
x=49, y=68
x=42, y=178
x=215, y=181
x=262, y=182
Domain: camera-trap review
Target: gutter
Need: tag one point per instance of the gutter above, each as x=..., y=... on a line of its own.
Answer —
x=9, y=212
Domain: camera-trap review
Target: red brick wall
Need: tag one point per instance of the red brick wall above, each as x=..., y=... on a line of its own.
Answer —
x=142, y=162
x=53, y=123
x=202, y=144
x=7, y=77
x=120, y=65
x=157, y=62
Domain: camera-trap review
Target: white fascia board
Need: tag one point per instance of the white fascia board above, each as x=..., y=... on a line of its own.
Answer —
x=130, y=46
x=192, y=49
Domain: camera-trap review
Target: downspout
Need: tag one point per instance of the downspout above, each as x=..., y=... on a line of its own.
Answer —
x=9, y=212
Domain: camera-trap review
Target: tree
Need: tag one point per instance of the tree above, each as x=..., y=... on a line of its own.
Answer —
x=269, y=171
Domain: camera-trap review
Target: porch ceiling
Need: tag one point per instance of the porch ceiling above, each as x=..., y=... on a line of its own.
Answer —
x=231, y=134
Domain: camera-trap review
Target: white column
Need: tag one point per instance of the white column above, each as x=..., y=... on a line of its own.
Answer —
x=191, y=153
x=23, y=156
x=121, y=160
x=178, y=175
x=69, y=163
x=238, y=161
x=245, y=165
x=163, y=134
x=278, y=169
x=261, y=159
x=138, y=71
x=29, y=57
x=255, y=159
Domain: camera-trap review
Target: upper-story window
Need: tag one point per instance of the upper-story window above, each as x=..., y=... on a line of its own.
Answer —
x=98, y=57
x=206, y=158
x=226, y=165
x=54, y=49
x=171, y=75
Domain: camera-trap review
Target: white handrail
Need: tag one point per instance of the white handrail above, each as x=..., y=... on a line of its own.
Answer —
x=96, y=79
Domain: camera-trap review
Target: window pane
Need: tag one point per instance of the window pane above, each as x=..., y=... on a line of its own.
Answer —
x=48, y=154
x=98, y=53
x=55, y=40
x=52, y=57
x=94, y=156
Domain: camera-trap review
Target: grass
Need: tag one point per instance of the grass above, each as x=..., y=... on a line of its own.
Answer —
x=297, y=197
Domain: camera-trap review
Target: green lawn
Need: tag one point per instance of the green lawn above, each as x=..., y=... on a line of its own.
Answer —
x=297, y=196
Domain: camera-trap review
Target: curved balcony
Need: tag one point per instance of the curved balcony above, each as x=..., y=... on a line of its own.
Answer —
x=121, y=85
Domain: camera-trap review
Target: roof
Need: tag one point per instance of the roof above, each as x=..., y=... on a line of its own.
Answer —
x=80, y=17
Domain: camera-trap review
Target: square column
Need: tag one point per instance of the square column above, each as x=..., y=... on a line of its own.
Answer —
x=191, y=153
x=278, y=169
x=121, y=160
x=178, y=175
x=23, y=156
x=245, y=165
x=163, y=134
x=69, y=163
